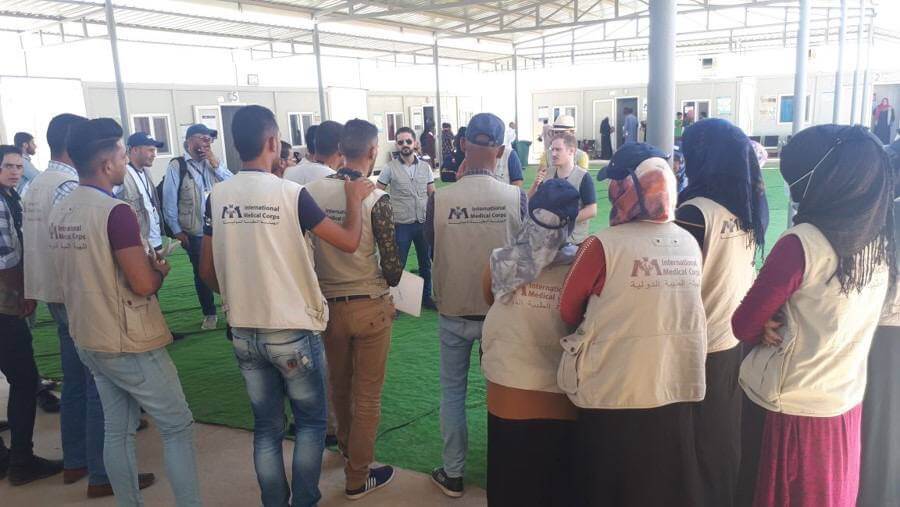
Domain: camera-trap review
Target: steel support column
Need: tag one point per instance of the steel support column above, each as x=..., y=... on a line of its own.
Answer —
x=661, y=85
x=438, y=130
x=799, y=88
x=516, y=94
x=859, y=35
x=865, y=111
x=317, y=50
x=120, y=86
x=838, y=75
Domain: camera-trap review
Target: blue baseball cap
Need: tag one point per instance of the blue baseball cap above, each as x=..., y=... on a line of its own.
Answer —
x=143, y=139
x=201, y=129
x=485, y=125
x=627, y=158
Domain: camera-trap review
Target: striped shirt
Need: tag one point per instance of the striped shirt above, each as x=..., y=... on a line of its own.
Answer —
x=10, y=248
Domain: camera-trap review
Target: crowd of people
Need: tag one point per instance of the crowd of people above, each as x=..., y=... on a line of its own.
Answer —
x=645, y=364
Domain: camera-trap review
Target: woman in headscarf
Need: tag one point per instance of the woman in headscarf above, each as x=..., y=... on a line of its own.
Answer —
x=634, y=366
x=882, y=119
x=810, y=317
x=880, y=470
x=530, y=421
x=605, y=139
x=724, y=207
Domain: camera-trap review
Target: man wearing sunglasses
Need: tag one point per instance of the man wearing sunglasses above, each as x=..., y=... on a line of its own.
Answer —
x=411, y=181
x=188, y=182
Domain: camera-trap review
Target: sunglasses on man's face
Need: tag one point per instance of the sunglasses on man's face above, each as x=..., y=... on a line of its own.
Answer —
x=408, y=142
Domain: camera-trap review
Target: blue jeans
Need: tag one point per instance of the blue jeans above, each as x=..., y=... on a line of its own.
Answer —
x=80, y=410
x=414, y=233
x=457, y=337
x=204, y=294
x=126, y=383
x=275, y=364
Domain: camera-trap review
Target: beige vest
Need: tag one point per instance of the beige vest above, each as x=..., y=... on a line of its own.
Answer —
x=409, y=195
x=190, y=198
x=580, y=233
x=263, y=266
x=728, y=271
x=501, y=171
x=104, y=314
x=520, y=340
x=643, y=340
x=341, y=273
x=42, y=283
x=472, y=217
x=132, y=195
x=819, y=370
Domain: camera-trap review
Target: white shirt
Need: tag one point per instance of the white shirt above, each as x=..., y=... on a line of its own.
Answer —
x=306, y=172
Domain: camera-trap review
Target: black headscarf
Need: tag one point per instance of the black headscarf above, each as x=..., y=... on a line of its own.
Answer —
x=841, y=177
x=721, y=165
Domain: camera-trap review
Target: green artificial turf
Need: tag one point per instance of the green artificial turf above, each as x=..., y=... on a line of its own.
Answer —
x=409, y=435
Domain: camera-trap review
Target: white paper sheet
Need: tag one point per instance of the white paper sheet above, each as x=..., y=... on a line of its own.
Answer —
x=408, y=294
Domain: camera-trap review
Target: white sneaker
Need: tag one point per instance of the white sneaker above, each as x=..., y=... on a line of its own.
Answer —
x=209, y=322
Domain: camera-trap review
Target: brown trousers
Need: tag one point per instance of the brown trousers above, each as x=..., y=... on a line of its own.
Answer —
x=357, y=341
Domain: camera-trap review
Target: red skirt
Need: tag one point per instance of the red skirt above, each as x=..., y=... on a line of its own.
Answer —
x=809, y=461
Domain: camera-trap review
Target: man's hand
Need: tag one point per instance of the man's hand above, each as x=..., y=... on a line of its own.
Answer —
x=183, y=239
x=358, y=189
x=211, y=157
x=159, y=264
x=28, y=307
x=540, y=177
x=770, y=332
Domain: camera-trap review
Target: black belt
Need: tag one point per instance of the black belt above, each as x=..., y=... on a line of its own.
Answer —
x=344, y=299
x=473, y=318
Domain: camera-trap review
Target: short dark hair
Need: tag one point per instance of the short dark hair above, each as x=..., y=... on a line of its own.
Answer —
x=286, y=149
x=445, y=125
x=328, y=138
x=22, y=138
x=250, y=128
x=89, y=139
x=310, y=138
x=679, y=113
x=58, y=131
x=627, y=110
x=5, y=150
x=405, y=130
x=357, y=138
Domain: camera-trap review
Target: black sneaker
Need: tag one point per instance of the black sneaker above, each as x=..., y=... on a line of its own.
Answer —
x=378, y=477
x=48, y=402
x=33, y=469
x=331, y=440
x=450, y=486
x=428, y=304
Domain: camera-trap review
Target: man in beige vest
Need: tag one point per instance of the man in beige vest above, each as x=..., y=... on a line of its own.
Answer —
x=562, y=159
x=189, y=180
x=81, y=414
x=109, y=278
x=273, y=302
x=410, y=181
x=464, y=223
x=359, y=332
x=16, y=353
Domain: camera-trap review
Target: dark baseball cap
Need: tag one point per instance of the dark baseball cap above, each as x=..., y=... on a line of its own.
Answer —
x=143, y=139
x=201, y=129
x=485, y=125
x=627, y=158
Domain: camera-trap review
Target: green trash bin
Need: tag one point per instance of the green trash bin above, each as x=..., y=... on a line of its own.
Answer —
x=522, y=148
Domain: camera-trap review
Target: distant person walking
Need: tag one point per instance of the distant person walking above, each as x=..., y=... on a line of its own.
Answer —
x=882, y=118
x=629, y=127
x=605, y=139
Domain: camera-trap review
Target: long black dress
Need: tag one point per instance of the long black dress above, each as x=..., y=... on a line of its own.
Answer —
x=882, y=124
x=605, y=140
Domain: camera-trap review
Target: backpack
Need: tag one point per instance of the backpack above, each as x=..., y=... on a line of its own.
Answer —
x=182, y=171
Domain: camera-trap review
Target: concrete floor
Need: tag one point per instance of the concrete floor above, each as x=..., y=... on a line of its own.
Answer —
x=226, y=474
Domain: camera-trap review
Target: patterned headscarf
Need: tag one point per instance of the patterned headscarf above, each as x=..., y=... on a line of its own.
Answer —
x=648, y=194
x=722, y=165
x=541, y=242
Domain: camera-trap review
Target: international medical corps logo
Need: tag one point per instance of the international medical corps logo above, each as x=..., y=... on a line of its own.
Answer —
x=646, y=267
x=231, y=211
x=458, y=213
